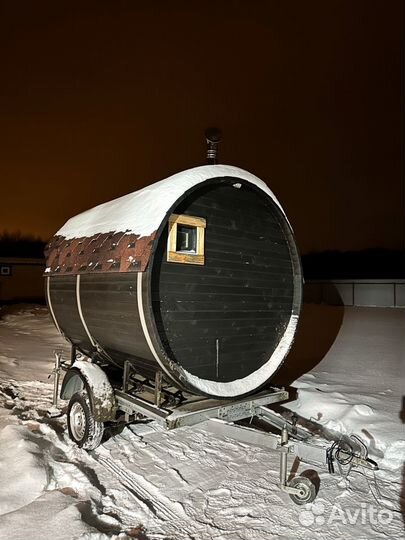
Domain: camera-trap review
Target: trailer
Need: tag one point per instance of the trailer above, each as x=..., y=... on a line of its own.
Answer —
x=97, y=398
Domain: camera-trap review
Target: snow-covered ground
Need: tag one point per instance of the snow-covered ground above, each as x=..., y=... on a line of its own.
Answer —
x=189, y=483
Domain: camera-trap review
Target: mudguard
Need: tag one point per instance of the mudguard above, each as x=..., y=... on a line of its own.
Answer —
x=85, y=375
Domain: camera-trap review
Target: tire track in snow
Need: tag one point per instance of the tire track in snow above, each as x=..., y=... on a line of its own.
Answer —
x=157, y=507
x=163, y=509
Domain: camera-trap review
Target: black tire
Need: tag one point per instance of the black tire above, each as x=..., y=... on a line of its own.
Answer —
x=308, y=490
x=83, y=429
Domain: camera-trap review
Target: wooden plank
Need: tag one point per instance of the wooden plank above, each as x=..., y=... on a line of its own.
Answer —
x=192, y=221
x=185, y=258
x=221, y=288
x=243, y=282
x=172, y=238
x=200, y=241
x=219, y=271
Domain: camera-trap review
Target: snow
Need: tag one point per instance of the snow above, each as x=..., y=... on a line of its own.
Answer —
x=19, y=452
x=143, y=211
x=368, y=387
x=92, y=372
x=191, y=483
x=101, y=387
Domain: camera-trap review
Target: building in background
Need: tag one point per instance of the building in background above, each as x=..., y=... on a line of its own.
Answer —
x=21, y=280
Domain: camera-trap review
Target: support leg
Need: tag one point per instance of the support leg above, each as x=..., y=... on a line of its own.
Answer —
x=125, y=380
x=158, y=388
x=283, y=456
x=56, y=372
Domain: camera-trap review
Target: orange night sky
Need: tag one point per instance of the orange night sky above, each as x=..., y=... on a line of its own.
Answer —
x=102, y=98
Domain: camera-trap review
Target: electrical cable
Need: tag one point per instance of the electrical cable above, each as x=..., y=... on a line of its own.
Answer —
x=344, y=456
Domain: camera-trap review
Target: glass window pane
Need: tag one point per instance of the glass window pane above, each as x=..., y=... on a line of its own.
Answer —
x=186, y=239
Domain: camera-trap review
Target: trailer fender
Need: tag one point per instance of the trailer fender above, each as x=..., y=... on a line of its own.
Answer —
x=85, y=375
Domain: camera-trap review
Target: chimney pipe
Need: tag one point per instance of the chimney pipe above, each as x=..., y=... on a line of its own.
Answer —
x=213, y=137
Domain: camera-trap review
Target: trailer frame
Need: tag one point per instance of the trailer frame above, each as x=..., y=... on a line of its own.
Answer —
x=173, y=410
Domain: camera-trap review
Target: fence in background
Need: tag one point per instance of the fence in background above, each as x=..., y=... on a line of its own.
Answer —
x=358, y=292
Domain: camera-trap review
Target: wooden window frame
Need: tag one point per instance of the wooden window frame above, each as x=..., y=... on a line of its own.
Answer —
x=186, y=258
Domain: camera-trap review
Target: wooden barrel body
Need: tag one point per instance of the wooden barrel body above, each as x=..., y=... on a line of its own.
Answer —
x=207, y=289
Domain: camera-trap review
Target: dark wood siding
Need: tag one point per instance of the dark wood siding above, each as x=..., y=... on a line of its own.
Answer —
x=241, y=297
x=64, y=304
x=110, y=310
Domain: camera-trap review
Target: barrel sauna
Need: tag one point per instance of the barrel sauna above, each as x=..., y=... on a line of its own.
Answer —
x=197, y=276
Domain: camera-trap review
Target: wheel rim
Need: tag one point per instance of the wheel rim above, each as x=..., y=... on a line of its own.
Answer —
x=77, y=419
x=305, y=492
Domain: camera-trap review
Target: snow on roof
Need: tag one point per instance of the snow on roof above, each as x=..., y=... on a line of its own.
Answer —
x=142, y=212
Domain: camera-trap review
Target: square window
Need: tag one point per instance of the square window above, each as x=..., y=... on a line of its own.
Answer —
x=5, y=270
x=185, y=242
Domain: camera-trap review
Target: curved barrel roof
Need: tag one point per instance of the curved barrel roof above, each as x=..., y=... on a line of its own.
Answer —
x=118, y=235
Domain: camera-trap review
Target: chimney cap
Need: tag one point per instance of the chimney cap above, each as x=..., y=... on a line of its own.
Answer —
x=213, y=135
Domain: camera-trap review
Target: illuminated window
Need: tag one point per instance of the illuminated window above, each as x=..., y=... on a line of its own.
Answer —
x=185, y=243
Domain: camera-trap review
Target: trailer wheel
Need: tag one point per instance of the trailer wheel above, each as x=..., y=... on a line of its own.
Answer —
x=83, y=429
x=307, y=490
